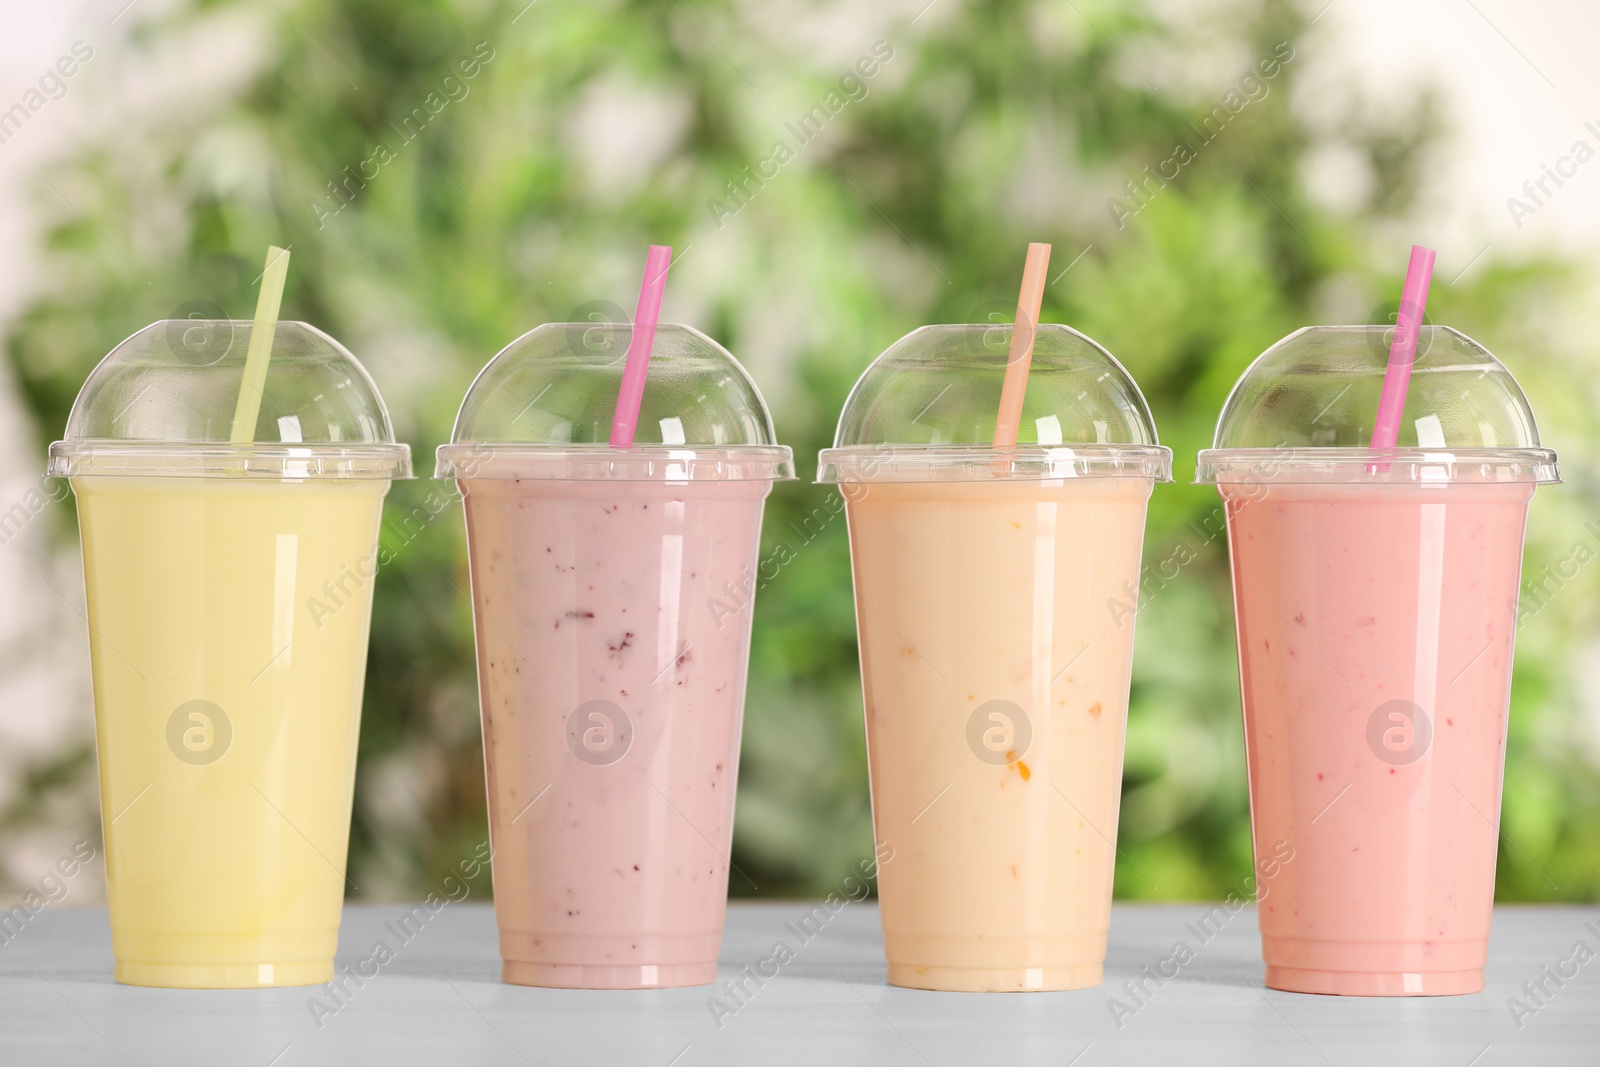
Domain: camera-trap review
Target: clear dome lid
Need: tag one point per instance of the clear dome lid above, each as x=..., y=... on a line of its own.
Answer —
x=543, y=408
x=1304, y=411
x=925, y=410
x=162, y=404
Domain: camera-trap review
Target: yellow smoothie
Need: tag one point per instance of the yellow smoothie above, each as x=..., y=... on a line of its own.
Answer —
x=996, y=626
x=228, y=623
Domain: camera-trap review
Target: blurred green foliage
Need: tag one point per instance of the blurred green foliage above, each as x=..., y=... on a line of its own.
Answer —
x=590, y=130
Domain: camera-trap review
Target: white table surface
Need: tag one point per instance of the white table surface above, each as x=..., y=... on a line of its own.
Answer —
x=440, y=1002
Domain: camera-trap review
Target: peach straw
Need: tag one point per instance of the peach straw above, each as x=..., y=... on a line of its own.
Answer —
x=651, y=290
x=1403, y=350
x=1029, y=302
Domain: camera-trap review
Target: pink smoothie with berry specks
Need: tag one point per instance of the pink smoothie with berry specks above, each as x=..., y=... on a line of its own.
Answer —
x=613, y=632
x=1376, y=620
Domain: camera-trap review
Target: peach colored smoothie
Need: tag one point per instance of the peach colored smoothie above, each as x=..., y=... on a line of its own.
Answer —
x=611, y=669
x=996, y=629
x=1375, y=629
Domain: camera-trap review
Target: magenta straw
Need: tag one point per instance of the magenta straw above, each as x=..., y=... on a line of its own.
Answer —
x=1403, y=350
x=651, y=290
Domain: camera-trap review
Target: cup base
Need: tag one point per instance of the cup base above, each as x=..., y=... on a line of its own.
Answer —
x=223, y=975
x=1375, y=983
x=995, y=979
x=608, y=976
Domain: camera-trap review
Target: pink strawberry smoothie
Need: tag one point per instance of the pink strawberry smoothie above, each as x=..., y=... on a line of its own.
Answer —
x=1376, y=624
x=611, y=832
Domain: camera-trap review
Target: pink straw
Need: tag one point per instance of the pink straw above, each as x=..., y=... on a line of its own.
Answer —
x=1403, y=350
x=651, y=290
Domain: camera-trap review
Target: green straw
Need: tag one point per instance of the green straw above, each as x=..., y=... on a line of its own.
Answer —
x=248, y=408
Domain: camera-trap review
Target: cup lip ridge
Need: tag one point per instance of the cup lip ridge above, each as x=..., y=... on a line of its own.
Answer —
x=1353, y=465
x=529, y=461
x=884, y=463
x=90, y=457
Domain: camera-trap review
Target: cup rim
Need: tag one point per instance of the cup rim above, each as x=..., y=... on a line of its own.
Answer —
x=87, y=457
x=527, y=461
x=1304, y=464
x=982, y=463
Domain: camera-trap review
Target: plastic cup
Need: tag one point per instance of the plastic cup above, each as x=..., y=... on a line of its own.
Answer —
x=996, y=637
x=1375, y=597
x=229, y=593
x=611, y=592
